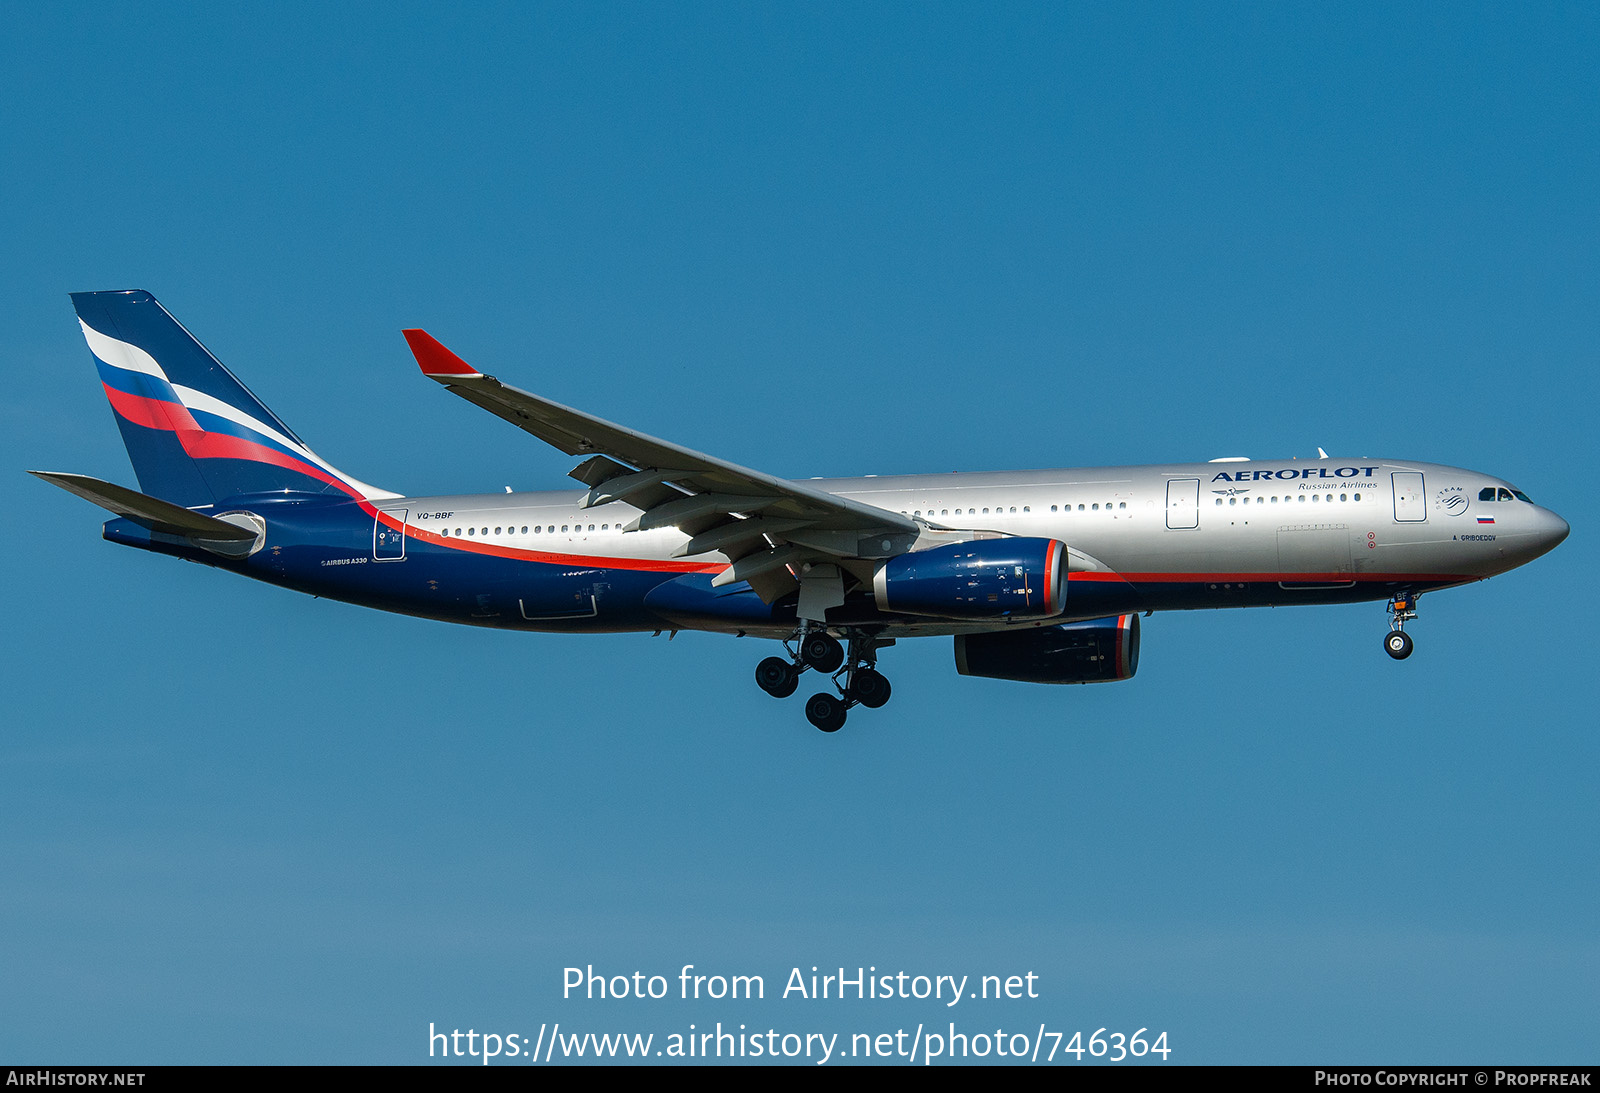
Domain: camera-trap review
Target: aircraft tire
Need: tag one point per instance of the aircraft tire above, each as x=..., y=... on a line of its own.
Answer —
x=825, y=712
x=822, y=652
x=870, y=688
x=777, y=677
x=1397, y=643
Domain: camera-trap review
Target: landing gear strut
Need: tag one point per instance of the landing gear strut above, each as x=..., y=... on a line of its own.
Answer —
x=814, y=648
x=1402, y=609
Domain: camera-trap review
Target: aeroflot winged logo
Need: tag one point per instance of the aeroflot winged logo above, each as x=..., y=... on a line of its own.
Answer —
x=1296, y=472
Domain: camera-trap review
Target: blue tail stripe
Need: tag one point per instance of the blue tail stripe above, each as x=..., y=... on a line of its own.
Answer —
x=212, y=457
x=136, y=317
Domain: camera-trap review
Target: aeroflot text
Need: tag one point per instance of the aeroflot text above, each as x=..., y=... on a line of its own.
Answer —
x=1296, y=472
x=857, y=983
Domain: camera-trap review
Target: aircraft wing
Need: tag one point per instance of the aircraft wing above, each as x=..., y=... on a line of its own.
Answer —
x=768, y=527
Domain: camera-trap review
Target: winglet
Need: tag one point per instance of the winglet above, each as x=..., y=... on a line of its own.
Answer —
x=434, y=358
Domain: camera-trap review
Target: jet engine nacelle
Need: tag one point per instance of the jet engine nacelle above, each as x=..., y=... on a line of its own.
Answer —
x=1097, y=651
x=1018, y=578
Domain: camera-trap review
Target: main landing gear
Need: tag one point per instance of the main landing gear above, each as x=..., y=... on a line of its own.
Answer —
x=1402, y=609
x=814, y=648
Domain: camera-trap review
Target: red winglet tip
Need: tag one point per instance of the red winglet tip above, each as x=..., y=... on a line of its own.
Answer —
x=434, y=358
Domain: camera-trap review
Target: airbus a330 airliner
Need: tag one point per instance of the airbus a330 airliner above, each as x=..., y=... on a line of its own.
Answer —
x=1038, y=576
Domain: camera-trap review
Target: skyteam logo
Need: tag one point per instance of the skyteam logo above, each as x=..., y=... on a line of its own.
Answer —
x=1453, y=500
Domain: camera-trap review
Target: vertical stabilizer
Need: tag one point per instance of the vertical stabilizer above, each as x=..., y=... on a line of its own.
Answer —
x=194, y=433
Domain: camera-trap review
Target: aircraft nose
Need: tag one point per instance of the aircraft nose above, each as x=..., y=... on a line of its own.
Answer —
x=1536, y=532
x=1550, y=530
x=1554, y=530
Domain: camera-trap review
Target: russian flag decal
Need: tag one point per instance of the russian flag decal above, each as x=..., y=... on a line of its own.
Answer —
x=1486, y=519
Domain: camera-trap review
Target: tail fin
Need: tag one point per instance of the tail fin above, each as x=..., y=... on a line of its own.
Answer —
x=195, y=434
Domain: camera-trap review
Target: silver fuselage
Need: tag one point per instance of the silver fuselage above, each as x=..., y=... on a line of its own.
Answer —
x=1218, y=534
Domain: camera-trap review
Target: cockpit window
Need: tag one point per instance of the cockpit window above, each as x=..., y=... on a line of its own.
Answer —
x=1505, y=494
x=1486, y=494
x=1520, y=496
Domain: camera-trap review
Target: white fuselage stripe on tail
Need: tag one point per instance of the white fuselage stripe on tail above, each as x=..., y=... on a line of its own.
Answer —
x=117, y=353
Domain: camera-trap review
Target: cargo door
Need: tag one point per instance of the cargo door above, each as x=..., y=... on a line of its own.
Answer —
x=1315, y=556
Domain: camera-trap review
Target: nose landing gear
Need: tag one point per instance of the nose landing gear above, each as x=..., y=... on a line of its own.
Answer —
x=1402, y=609
x=815, y=648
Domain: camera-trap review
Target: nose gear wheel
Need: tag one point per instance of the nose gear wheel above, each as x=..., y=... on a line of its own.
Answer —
x=1402, y=609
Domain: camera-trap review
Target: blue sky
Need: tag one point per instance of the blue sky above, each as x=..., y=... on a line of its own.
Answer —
x=247, y=826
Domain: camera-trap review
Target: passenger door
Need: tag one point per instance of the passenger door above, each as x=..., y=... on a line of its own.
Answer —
x=389, y=543
x=1183, y=503
x=1410, y=499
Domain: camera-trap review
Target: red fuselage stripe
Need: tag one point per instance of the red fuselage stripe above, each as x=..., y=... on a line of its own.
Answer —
x=588, y=561
x=1243, y=578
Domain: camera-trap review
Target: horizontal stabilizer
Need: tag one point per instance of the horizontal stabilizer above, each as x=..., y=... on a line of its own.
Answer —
x=147, y=511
